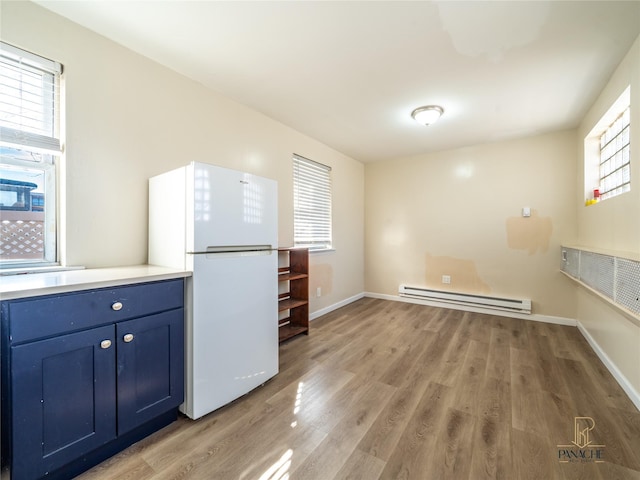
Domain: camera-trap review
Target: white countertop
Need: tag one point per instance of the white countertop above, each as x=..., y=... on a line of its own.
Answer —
x=34, y=284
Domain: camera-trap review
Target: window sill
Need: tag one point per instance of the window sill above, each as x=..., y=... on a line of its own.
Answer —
x=29, y=270
x=321, y=250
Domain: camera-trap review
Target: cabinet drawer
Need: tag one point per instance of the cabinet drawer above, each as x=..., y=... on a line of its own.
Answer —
x=41, y=317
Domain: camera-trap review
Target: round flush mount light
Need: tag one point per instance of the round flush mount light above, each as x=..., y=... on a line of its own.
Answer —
x=427, y=115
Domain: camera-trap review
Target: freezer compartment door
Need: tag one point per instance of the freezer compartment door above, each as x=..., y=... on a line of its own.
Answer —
x=233, y=208
x=233, y=331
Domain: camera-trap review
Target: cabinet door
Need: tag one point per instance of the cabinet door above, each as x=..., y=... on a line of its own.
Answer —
x=63, y=399
x=150, y=367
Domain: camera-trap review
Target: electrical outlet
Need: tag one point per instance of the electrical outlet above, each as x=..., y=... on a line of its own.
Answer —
x=446, y=279
x=319, y=292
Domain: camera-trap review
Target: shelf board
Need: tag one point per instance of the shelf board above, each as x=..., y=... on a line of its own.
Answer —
x=287, y=331
x=632, y=316
x=289, y=303
x=293, y=276
x=285, y=277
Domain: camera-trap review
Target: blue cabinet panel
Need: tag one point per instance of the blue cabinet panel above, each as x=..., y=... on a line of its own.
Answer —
x=63, y=400
x=57, y=314
x=150, y=367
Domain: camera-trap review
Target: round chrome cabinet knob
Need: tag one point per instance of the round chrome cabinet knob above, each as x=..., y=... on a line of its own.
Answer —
x=104, y=344
x=128, y=338
x=116, y=306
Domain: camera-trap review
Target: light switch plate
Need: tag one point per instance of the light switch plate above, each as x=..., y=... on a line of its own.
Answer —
x=526, y=211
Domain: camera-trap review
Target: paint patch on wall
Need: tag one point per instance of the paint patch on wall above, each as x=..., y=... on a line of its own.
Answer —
x=320, y=275
x=462, y=273
x=529, y=233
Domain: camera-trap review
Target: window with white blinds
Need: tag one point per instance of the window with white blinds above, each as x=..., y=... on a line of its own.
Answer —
x=311, y=203
x=29, y=148
x=29, y=99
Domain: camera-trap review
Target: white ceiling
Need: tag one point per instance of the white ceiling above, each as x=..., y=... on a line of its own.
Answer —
x=350, y=73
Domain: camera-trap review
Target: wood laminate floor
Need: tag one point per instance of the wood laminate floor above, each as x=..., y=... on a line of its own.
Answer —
x=389, y=390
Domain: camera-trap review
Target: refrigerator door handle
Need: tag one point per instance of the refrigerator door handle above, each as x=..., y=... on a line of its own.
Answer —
x=236, y=249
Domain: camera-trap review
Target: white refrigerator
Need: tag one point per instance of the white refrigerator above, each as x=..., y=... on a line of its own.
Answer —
x=222, y=225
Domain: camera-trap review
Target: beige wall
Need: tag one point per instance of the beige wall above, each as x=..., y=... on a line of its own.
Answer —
x=458, y=213
x=455, y=213
x=128, y=118
x=613, y=225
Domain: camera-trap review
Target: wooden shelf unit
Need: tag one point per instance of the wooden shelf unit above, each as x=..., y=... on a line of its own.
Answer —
x=293, y=277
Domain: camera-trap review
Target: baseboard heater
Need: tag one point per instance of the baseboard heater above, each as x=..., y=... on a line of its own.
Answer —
x=497, y=303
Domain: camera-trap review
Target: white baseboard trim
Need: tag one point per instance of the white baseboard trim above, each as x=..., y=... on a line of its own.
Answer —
x=335, y=306
x=524, y=316
x=631, y=392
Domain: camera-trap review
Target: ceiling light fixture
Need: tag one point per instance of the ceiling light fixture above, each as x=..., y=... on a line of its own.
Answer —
x=427, y=115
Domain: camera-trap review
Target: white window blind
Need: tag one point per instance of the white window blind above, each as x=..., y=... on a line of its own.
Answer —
x=311, y=203
x=29, y=100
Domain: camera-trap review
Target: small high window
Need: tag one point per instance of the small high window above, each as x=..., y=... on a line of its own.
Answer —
x=608, y=153
x=615, y=176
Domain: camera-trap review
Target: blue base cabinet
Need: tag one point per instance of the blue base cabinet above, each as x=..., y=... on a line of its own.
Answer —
x=150, y=378
x=63, y=400
x=85, y=385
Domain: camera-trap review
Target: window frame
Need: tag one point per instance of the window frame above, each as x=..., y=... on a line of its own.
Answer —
x=312, y=187
x=610, y=149
x=593, y=150
x=33, y=146
x=50, y=253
